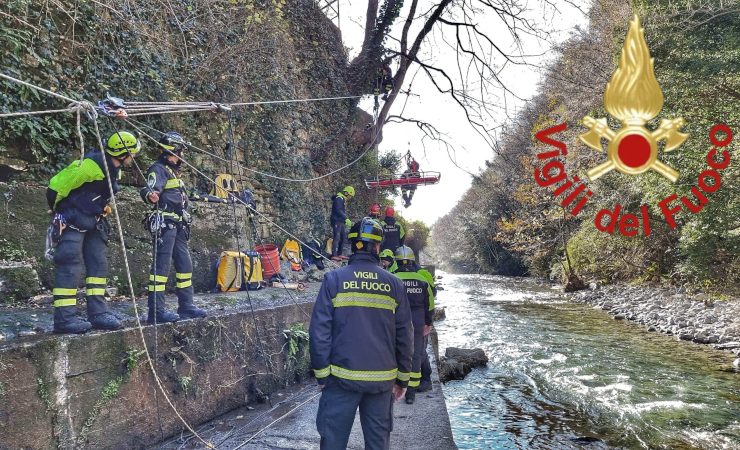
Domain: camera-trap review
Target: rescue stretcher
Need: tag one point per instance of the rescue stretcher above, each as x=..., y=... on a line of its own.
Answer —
x=413, y=179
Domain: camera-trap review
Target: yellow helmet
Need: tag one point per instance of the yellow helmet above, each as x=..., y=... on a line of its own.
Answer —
x=349, y=190
x=122, y=142
x=404, y=253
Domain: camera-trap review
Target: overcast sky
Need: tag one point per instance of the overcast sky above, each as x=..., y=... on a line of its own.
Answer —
x=471, y=152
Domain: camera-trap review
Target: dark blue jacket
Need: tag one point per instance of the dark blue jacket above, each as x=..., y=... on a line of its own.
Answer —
x=393, y=234
x=419, y=293
x=163, y=178
x=361, y=335
x=84, y=205
x=338, y=209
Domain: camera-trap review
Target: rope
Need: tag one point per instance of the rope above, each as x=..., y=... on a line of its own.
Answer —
x=304, y=100
x=114, y=205
x=261, y=430
x=40, y=89
x=38, y=113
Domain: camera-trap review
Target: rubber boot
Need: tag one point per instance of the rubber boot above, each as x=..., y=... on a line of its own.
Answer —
x=162, y=315
x=190, y=311
x=66, y=321
x=99, y=316
x=410, y=396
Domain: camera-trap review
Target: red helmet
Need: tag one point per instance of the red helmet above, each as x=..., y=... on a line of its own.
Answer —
x=389, y=211
x=375, y=208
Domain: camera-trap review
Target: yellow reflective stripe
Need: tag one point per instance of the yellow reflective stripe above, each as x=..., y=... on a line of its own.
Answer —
x=170, y=214
x=183, y=276
x=414, y=383
x=157, y=288
x=64, y=291
x=403, y=376
x=158, y=278
x=363, y=375
x=322, y=373
x=65, y=302
x=96, y=280
x=95, y=291
x=364, y=300
x=415, y=374
x=372, y=237
x=184, y=284
x=173, y=183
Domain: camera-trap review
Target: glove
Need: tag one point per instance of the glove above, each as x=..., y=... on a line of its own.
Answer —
x=347, y=223
x=107, y=210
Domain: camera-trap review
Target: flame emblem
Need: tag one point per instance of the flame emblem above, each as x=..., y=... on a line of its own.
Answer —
x=634, y=97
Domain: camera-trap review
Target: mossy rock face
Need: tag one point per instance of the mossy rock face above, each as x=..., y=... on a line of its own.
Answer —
x=18, y=281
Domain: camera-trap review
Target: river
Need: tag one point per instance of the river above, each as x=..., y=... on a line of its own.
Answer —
x=563, y=375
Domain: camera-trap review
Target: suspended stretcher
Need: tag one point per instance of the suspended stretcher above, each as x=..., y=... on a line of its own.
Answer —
x=406, y=179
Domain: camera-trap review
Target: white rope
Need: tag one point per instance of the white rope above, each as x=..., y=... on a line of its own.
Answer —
x=269, y=175
x=40, y=89
x=38, y=113
x=304, y=100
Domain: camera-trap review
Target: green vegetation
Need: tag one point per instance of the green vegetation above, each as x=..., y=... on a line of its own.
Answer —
x=297, y=361
x=109, y=392
x=508, y=224
x=133, y=359
x=43, y=391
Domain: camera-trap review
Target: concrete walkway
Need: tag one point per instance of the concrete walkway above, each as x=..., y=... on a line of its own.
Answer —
x=291, y=424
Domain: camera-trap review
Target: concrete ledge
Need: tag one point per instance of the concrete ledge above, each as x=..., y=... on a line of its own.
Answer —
x=96, y=390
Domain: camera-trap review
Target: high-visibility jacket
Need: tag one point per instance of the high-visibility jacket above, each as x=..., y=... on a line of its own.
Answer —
x=361, y=333
x=80, y=192
x=418, y=291
x=393, y=234
x=173, y=200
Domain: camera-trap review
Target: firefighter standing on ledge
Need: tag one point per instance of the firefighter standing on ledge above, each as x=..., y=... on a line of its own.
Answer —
x=361, y=344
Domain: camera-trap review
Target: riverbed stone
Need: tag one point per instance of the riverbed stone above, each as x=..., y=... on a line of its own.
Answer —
x=439, y=314
x=459, y=362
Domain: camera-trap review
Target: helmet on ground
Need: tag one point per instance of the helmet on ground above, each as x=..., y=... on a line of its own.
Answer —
x=375, y=209
x=349, y=190
x=389, y=211
x=172, y=142
x=365, y=231
x=121, y=143
x=404, y=253
x=386, y=254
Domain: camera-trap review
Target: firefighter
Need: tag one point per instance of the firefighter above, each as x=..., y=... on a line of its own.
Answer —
x=374, y=212
x=339, y=221
x=360, y=344
x=388, y=261
x=393, y=232
x=169, y=223
x=412, y=171
x=426, y=367
x=78, y=199
x=421, y=302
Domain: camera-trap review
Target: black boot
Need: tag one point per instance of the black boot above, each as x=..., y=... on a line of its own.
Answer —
x=190, y=311
x=162, y=315
x=105, y=321
x=410, y=396
x=66, y=321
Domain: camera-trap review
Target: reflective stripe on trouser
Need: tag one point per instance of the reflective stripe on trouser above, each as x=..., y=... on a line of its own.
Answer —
x=337, y=409
x=172, y=247
x=417, y=318
x=77, y=251
x=339, y=237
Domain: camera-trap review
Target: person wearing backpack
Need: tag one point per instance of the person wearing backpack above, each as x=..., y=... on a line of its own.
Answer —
x=78, y=199
x=339, y=221
x=169, y=223
x=393, y=232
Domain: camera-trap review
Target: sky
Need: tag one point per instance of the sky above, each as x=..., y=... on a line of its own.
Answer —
x=427, y=104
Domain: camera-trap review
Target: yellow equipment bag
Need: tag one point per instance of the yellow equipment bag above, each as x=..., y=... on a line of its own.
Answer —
x=224, y=183
x=292, y=252
x=237, y=271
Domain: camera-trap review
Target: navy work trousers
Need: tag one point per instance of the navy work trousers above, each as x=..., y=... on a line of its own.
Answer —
x=337, y=409
x=339, y=237
x=172, y=245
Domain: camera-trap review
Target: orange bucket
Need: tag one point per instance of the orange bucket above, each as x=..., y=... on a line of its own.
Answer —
x=270, y=260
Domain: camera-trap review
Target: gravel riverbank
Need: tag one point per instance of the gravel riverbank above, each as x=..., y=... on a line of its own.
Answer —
x=670, y=311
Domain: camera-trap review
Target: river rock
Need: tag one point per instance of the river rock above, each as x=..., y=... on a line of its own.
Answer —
x=439, y=314
x=459, y=362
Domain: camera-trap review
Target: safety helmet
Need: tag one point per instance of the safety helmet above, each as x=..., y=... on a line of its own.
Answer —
x=404, y=253
x=389, y=211
x=375, y=209
x=349, y=190
x=172, y=142
x=386, y=254
x=367, y=230
x=122, y=142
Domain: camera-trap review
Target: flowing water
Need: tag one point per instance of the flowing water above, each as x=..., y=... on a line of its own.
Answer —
x=564, y=375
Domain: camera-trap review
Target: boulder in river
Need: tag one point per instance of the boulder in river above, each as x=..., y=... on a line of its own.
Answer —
x=439, y=314
x=459, y=362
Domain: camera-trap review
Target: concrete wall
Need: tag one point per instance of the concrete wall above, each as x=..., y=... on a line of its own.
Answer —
x=97, y=391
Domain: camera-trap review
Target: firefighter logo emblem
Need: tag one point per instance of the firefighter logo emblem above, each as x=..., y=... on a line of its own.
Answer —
x=634, y=97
